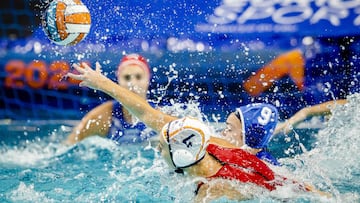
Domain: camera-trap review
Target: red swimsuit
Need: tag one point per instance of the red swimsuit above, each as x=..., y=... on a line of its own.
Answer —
x=243, y=166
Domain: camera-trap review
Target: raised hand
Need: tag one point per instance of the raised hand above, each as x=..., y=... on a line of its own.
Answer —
x=89, y=77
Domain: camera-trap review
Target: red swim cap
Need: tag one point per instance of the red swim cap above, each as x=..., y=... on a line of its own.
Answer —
x=134, y=59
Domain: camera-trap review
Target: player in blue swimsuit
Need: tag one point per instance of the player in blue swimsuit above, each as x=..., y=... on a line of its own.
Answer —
x=250, y=127
x=110, y=119
x=187, y=144
x=123, y=132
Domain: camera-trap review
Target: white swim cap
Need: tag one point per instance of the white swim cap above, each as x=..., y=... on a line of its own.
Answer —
x=187, y=139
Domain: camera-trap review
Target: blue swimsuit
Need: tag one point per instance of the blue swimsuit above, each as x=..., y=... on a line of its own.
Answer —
x=266, y=156
x=123, y=132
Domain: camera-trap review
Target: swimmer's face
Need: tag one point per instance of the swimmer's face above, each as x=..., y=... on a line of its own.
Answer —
x=233, y=131
x=163, y=147
x=134, y=78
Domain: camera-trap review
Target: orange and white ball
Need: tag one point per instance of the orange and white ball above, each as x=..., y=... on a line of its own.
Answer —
x=66, y=22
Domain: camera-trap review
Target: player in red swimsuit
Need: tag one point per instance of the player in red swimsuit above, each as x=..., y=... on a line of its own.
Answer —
x=192, y=151
x=186, y=144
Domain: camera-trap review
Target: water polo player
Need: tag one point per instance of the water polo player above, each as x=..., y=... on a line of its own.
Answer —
x=186, y=144
x=110, y=119
x=251, y=127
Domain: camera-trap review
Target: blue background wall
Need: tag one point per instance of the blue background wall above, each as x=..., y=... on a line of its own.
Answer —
x=211, y=61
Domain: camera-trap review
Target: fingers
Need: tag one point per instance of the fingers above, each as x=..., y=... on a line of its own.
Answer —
x=86, y=66
x=75, y=76
x=82, y=84
x=78, y=68
x=97, y=67
x=83, y=71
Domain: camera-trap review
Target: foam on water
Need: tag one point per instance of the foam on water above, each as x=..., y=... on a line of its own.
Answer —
x=333, y=165
x=96, y=169
x=33, y=155
x=27, y=193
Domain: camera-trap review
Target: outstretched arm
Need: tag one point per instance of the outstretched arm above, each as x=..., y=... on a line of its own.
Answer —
x=301, y=115
x=138, y=106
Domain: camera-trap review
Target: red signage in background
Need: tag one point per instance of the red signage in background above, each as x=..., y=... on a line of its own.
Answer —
x=38, y=75
x=288, y=64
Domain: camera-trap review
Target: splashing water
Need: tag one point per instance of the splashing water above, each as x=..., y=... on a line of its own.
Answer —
x=333, y=165
x=97, y=170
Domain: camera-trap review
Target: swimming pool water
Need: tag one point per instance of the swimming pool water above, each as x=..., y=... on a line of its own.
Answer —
x=36, y=167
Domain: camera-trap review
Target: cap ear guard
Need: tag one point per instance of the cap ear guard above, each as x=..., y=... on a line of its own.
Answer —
x=257, y=136
x=187, y=139
x=182, y=158
x=187, y=147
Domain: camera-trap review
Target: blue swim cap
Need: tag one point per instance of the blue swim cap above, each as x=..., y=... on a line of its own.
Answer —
x=258, y=123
